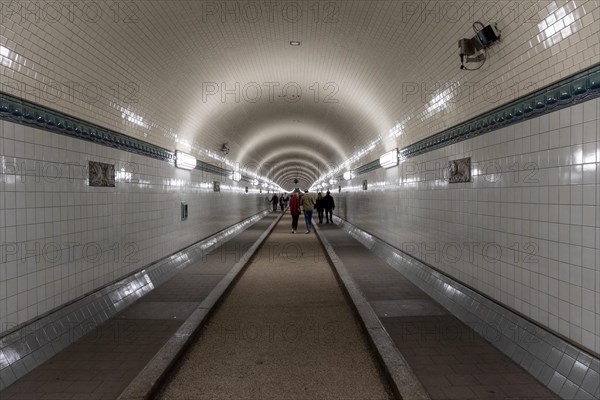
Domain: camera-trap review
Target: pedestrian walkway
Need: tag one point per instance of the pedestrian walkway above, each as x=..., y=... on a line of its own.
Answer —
x=450, y=359
x=101, y=364
x=285, y=331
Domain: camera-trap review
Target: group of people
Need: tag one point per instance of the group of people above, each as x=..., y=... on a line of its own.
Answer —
x=307, y=204
x=281, y=200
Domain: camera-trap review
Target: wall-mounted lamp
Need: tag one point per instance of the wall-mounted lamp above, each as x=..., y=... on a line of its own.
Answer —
x=184, y=160
x=348, y=175
x=470, y=47
x=236, y=176
x=332, y=181
x=477, y=46
x=255, y=182
x=389, y=159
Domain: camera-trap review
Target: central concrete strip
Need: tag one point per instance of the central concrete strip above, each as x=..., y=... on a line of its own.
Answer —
x=404, y=382
x=149, y=379
x=285, y=331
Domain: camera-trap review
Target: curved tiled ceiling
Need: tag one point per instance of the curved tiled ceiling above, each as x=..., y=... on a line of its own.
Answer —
x=193, y=75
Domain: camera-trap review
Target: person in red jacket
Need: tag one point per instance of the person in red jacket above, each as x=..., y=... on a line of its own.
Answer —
x=295, y=210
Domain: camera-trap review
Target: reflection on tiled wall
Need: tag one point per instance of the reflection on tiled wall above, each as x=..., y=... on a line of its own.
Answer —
x=395, y=63
x=525, y=231
x=61, y=238
x=541, y=42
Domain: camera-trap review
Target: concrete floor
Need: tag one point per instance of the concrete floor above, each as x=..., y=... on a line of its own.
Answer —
x=285, y=331
x=449, y=358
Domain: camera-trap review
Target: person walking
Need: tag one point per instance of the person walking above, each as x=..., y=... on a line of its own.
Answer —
x=319, y=206
x=295, y=210
x=286, y=200
x=281, y=202
x=329, y=206
x=274, y=200
x=308, y=205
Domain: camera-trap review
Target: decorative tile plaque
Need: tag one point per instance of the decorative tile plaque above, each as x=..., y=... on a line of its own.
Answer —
x=459, y=170
x=101, y=174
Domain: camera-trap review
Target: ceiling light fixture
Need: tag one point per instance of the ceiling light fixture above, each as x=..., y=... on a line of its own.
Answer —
x=295, y=43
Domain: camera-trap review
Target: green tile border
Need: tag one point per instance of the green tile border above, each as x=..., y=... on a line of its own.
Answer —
x=564, y=93
x=567, y=92
x=27, y=113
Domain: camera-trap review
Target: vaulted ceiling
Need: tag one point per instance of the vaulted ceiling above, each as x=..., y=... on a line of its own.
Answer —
x=192, y=75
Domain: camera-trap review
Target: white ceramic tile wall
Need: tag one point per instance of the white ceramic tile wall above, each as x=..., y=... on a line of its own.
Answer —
x=139, y=67
x=372, y=52
x=53, y=225
x=541, y=42
x=525, y=231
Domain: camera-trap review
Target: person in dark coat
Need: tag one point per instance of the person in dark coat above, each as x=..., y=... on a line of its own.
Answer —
x=329, y=206
x=275, y=200
x=319, y=207
x=295, y=210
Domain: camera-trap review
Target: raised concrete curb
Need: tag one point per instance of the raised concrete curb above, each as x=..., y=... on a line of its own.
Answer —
x=402, y=379
x=148, y=381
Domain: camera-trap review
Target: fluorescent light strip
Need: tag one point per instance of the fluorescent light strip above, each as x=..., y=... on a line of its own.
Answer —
x=184, y=160
x=389, y=159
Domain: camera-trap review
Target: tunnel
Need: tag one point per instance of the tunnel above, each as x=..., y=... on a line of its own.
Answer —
x=300, y=199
